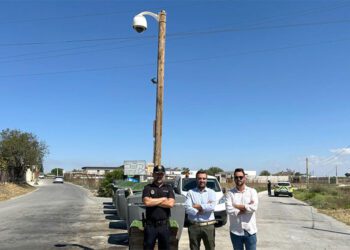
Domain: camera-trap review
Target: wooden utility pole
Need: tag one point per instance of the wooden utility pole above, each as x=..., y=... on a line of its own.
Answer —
x=336, y=174
x=157, y=155
x=307, y=172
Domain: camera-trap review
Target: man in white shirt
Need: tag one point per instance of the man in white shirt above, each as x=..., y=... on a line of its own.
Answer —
x=200, y=205
x=241, y=204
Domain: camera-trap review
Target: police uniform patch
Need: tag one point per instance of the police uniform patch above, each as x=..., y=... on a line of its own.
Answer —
x=152, y=191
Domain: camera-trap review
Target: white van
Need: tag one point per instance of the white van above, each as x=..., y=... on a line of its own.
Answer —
x=183, y=184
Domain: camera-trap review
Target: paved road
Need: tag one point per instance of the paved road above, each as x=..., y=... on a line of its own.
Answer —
x=59, y=216
x=286, y=223
x=67, y=217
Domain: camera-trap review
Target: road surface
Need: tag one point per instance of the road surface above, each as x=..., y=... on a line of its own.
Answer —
x=66, y=216
x=286, y=223
x=59, y=216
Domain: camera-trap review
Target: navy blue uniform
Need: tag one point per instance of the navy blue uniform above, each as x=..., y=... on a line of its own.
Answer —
x=157, y=218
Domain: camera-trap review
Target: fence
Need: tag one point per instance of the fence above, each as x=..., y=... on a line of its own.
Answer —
x=91, y=182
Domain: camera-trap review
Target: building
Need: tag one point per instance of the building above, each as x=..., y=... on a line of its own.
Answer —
x=224, y=177
x=99, y=171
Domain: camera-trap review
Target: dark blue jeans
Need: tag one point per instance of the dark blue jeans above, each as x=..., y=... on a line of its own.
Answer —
x=248, y=240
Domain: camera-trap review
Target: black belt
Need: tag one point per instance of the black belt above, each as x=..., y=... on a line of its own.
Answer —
x=157, y=222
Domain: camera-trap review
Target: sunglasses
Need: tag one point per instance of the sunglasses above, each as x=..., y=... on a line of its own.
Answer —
x=239, y=177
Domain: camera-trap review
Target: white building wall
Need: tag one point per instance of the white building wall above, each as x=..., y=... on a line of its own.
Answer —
x=29, y=175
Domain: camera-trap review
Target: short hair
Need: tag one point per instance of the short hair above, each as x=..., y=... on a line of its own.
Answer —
x=201, y=171
x=239, y=170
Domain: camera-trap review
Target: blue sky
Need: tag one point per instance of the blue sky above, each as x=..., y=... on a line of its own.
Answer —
x=253, y=84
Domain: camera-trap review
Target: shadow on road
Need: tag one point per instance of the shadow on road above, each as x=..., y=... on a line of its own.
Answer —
x=118, y=224
x=112, y=217
x=291, y=203
x=73, y=245
x=325, y=230
x=109, y=211
x=108, y=207
x=119, y=239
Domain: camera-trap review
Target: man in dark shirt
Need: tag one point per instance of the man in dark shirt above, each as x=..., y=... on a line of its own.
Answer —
x=269, y=187
x=158, y=199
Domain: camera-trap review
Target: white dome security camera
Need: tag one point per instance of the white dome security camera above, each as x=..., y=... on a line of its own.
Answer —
x=139, y=23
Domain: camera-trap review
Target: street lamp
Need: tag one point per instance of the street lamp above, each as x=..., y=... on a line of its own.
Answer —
x=140, y=25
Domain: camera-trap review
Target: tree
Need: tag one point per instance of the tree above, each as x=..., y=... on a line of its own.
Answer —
x=105, y=189
x=288, y=172
x=265, y=173
x=347, y=174
x=41, y=168
x=3, y=164
x=185, y=171
x=3, y=169
x=21, y=150
x=57, y=171
x=214, y=170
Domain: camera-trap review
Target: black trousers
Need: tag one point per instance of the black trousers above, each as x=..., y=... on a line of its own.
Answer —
x=153, y=232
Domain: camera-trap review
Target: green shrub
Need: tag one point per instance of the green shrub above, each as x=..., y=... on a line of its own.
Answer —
x=105, y=189
x=325, y=197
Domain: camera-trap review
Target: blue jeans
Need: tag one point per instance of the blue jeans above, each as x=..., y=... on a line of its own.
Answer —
x=248, y=240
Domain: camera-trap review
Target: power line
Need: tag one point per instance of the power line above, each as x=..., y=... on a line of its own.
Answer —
x=305, y=12
x=260, y=51
x=65, y=17
x=181, y=61
x=81, y=16
x=334, y=157
x=55, y=50
x=81, y=70
x=228, y=30
x=270, y=19
x=79, y=40
x=183, y=34
x=73, y=53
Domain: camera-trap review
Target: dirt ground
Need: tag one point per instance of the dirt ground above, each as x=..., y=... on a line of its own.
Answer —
x=10, y=190
x=342, y=215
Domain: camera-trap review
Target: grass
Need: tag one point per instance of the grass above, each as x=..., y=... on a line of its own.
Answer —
x=135, y=186
x=11, y=190
x=328, y=199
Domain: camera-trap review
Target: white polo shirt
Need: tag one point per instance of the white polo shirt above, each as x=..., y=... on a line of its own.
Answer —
x=242, y=221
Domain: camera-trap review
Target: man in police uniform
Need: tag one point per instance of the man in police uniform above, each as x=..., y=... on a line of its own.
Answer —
x=158, y=199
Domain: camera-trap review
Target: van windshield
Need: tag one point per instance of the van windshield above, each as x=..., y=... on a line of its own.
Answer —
x=283, y=184
x=190, y=183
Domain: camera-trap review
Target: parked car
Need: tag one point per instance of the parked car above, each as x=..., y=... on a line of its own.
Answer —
x=41, y=176
x=284, y=188
x=58, y=179
x=183, y=184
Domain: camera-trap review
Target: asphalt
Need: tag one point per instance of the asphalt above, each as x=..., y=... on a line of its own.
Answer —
x=65, y=216
x=287, y=223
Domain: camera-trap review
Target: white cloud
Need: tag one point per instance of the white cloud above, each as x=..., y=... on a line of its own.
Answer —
x=341, y=151
x=324, y=166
